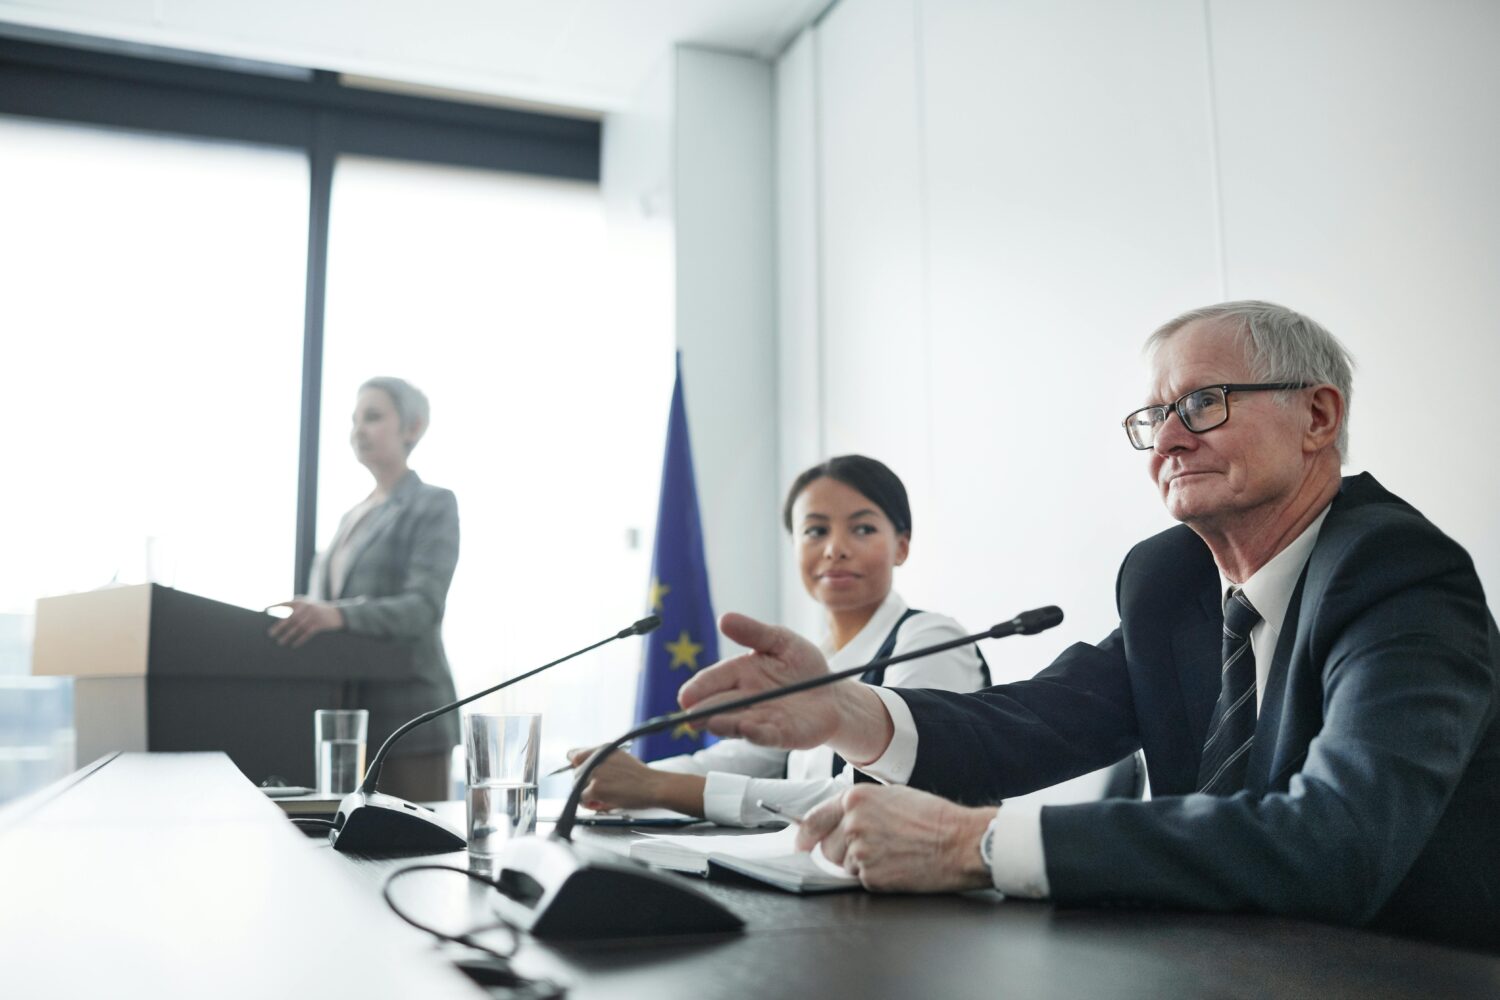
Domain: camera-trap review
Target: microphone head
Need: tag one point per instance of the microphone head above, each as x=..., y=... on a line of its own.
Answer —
x=1038, y=620
x=653, y=623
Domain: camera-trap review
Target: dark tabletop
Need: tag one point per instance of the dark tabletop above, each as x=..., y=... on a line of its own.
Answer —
x=976, y=944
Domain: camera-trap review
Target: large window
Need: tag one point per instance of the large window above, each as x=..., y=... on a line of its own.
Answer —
x=491, y=292
x=151, y=300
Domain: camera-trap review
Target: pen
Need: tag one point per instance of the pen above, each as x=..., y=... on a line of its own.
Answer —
x=778, y=811
x=565, y=767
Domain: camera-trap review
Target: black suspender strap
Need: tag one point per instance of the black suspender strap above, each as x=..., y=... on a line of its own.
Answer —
x=877, y=676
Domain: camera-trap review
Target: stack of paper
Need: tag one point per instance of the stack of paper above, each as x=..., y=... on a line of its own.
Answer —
x=309, y=804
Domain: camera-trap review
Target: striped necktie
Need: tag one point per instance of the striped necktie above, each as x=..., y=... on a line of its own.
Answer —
x=1231, y=731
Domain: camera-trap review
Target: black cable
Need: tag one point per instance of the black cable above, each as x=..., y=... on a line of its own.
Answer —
x=465, y=938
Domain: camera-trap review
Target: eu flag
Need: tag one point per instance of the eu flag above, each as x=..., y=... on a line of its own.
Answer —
x=688, y=639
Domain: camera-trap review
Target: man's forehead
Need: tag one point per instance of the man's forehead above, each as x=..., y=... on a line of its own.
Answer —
x=1202, y=353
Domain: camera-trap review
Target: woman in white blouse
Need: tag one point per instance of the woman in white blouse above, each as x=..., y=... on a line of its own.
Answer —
x=851, y=527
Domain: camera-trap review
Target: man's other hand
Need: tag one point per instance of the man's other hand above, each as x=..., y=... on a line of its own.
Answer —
x=897, y=839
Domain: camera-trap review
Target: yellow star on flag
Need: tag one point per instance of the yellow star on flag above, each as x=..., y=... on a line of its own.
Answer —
x=683, y=729
x=658, y=591
x=684, y=652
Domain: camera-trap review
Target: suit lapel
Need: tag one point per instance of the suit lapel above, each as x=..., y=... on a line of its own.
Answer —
x=1196, y=648
x=1292, y=708
x=380, y=521
x=1269, y=747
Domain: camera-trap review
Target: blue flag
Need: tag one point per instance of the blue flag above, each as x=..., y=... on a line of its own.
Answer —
x=688, y=639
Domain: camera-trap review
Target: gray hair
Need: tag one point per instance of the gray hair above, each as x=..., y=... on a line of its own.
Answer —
x=1280, y=346
x=411, y=404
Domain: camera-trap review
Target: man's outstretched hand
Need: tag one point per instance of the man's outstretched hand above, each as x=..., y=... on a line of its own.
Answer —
x=845, y=715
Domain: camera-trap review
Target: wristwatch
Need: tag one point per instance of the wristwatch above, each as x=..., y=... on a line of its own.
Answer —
x=987, y=842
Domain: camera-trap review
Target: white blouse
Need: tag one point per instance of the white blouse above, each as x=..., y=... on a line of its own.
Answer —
x=351, y=527
x=739, y=773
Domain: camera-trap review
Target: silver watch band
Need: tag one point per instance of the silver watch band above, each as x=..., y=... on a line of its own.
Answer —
x=987, y=843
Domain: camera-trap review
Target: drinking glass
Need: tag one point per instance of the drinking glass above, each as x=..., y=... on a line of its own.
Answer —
x=501, y=753
x=339, y=737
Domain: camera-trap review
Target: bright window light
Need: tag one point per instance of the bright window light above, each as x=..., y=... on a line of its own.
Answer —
x=151, y=309
x=151, y=313
x=491, y=293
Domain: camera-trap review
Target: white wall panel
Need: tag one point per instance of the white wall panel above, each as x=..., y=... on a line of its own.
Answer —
x=874, y=344
x=1070, y=207
x=724, y=212
x=798, y=298
x=1360, y=150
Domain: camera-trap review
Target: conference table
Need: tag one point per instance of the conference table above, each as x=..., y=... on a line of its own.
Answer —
x=170, y=875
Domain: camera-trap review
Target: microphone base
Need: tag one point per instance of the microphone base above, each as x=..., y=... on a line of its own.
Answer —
x=376, y=823
x=561, y=891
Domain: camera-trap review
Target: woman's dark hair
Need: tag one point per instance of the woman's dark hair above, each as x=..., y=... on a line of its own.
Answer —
x=871, y=478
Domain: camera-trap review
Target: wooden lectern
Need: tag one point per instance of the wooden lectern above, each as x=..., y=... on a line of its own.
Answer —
x=160, y=669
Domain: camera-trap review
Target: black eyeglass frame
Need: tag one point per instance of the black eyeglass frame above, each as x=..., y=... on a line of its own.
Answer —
x=1225, y=387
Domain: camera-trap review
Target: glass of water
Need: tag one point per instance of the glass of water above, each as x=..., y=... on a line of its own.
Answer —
x=339, y=738
x=501, y=752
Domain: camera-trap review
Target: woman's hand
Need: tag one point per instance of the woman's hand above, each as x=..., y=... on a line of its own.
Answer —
x=623, y=782
x=307, y=619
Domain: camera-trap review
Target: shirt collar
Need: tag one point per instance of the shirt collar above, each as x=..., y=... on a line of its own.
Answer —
x=863, y=647
x=1269, y=589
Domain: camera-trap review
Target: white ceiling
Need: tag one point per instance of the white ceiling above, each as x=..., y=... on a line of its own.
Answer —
x=591, y=55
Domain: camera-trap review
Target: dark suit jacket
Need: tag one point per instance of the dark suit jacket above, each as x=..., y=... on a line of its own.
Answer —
x=395, y=589
x=1373, y=790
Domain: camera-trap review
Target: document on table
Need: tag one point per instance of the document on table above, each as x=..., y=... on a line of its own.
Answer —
x=772, y=858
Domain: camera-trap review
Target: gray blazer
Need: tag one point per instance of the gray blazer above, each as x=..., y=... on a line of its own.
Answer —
x=395, y=589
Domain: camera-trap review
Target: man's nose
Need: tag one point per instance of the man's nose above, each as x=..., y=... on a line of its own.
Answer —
x=1172, y=435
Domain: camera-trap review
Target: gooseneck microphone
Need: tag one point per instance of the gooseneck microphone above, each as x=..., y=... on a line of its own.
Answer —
x=371, y=822
x=555, y=888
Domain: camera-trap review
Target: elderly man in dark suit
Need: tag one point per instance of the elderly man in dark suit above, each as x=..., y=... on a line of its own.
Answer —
x=1307, y=663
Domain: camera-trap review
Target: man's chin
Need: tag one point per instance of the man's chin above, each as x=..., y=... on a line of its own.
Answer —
x=1186, y=503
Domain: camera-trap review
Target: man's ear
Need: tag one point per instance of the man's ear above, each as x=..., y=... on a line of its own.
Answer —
x=1326, y=415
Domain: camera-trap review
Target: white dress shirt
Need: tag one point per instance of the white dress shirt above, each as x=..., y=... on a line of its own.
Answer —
x=1018, y=861
x=1269, y=591
x=739, y=773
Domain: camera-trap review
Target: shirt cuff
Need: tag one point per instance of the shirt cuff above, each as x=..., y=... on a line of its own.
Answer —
x=1018, y=863
x=724, y=797
x=894, y=767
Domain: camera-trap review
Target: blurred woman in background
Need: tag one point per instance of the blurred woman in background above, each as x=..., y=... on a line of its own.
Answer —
x=386, y=574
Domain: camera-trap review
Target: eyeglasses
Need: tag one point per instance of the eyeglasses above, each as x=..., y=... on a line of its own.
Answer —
x=1200, y=410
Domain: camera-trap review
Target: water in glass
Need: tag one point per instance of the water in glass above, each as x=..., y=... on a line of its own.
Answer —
x=341, y=763
x=499, y=811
